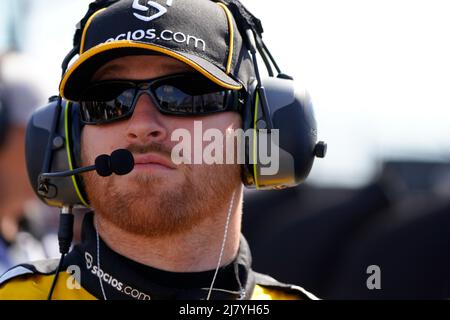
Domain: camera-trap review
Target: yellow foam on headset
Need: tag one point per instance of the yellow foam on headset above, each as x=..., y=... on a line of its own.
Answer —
x=69, y=154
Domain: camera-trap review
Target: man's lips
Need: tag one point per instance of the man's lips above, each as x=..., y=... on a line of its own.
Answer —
x=149, y=159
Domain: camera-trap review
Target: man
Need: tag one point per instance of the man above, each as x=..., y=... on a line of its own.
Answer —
x=169, y=229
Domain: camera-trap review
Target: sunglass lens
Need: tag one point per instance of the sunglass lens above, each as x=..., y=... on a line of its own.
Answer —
x=105, y=103
x=189, y=95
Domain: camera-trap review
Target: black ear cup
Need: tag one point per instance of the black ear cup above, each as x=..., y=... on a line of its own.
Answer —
x=291, y=147
x=65, y=154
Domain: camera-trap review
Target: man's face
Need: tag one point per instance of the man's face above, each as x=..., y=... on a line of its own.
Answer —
x=155, y=199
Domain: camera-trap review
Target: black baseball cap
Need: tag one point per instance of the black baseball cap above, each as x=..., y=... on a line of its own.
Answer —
x=200, y=33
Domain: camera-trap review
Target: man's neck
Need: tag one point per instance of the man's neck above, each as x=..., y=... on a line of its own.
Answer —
x=196, y=250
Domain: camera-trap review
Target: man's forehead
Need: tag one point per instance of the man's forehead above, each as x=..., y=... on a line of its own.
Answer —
x=133, y=66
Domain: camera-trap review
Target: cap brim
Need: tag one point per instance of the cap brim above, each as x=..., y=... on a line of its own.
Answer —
x=79, y=75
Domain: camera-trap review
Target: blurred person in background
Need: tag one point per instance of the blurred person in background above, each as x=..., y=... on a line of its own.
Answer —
x=21, y=215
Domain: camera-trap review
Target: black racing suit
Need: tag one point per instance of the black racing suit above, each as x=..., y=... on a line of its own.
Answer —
x=117, y=277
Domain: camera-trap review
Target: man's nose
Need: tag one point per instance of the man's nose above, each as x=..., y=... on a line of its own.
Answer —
x=146, y=124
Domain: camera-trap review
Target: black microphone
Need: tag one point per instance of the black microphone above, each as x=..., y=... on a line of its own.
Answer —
x=121, y=162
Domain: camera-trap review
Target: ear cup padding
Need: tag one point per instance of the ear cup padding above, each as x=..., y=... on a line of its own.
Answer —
x=247, y=175
x=73, y=127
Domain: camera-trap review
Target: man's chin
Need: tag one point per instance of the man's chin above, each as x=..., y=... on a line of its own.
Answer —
x=157, y=205
x=152, y=211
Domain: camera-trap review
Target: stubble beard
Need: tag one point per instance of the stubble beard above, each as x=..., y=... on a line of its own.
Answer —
x=153, y=206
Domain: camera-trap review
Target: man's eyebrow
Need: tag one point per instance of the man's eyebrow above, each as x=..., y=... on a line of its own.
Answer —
x=107, y=72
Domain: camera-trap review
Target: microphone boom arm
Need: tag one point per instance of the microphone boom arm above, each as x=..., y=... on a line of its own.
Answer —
x=64, y=174
x=120, y=162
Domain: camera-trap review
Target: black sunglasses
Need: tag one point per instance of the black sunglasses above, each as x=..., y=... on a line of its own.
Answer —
x=180, y=94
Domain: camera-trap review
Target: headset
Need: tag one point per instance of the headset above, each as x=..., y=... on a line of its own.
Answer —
x=274, y=106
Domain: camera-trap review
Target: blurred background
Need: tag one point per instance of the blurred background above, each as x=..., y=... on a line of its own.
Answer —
x=378, y=73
